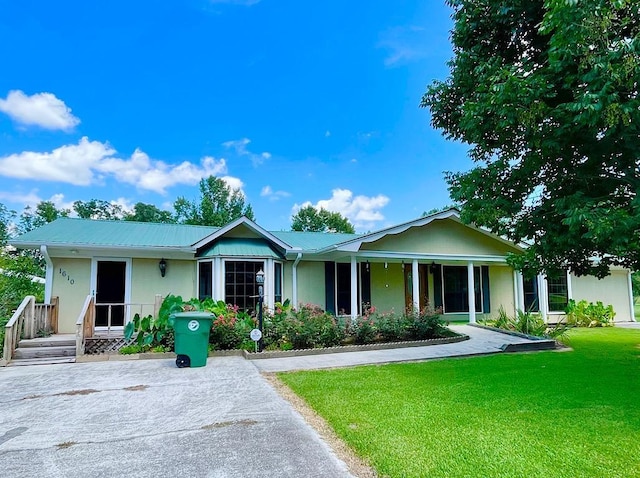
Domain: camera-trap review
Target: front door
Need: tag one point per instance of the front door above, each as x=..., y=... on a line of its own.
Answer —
x=110, y=293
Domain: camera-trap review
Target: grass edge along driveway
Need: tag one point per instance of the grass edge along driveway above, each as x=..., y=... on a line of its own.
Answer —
x=547, y=414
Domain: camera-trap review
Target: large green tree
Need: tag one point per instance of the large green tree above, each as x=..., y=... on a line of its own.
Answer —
x=148, y=213
x=17, y=269
x=311, y=219
x=43, y=213
x=98, y=209
x=546, y=94
x=218, y=205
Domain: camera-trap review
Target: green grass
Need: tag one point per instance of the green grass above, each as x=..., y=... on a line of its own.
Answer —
x=548, y=414
x=636, y=307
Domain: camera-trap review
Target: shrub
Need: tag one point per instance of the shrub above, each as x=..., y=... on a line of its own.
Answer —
x=3, y=322
x=425, y=324
x=392, y=327
x=588, y=314
x=363, y=330
x=150, y=332
x=528, y=323
x=312, y=327
x=231, y=327
x=277, y=330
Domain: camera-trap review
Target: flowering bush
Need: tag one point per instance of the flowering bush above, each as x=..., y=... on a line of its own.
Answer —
x=308, y=326
x=231, y=327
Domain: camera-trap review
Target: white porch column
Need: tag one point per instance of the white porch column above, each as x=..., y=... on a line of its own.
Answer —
x=294, y=281
x=218, y=279
x=48, y=282
x=354, y=287
x=415, y=285
x=520, y=287
x=472, y=293
x=542, y=298
x=270, y=281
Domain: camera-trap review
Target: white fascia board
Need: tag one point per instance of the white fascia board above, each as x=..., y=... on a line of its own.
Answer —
x=251, y=225
x=84, y=250
x=393, y=256
x=354, y=245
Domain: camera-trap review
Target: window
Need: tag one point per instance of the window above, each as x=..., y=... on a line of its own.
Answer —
x=343, y=288
x=277, y=282
x=205, y=280
x=558, y=293
x=240, y=283
x=530, y=287
x=455, y=289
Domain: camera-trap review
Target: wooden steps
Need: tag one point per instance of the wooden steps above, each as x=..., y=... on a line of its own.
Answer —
x=60, y=348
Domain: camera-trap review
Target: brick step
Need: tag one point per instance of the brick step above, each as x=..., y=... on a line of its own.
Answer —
x=44, y=352
x=41, y=361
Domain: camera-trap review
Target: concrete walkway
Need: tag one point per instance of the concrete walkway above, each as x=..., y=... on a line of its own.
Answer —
x=482, y=341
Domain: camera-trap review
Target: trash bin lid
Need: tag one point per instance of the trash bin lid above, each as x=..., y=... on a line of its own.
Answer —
x=194, y=314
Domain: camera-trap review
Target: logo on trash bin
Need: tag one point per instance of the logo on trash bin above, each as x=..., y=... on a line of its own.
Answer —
x=193, y=325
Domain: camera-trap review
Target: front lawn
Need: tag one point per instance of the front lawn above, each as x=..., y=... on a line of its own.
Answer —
x=547, y=414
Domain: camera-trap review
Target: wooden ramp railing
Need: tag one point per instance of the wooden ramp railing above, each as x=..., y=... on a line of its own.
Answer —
x=28, y=321
x=86, y=322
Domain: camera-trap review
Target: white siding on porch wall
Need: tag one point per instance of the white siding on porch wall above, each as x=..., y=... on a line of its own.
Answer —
x=354, y=287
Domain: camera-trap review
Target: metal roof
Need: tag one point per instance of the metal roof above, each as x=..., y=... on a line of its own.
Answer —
x=240, y=247
x=73, y=232
x=313, y=241
x=86, y=232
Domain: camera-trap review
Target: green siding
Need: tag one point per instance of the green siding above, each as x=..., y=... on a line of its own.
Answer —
x=241, y=248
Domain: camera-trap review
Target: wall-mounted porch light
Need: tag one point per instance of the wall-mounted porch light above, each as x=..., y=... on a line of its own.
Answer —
x=162, y=265
x=433, y=267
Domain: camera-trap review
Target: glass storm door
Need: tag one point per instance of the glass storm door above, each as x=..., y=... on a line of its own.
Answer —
x=110, y=293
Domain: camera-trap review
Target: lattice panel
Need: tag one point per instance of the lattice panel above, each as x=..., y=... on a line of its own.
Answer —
x=101, y=346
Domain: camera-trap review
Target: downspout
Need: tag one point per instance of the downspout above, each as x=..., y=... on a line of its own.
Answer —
x=294, y=280
x=48, y=278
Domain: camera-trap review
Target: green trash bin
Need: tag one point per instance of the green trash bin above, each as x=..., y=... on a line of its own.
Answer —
x=191, y=337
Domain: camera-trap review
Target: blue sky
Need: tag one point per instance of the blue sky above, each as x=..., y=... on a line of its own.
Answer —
x=294, y=102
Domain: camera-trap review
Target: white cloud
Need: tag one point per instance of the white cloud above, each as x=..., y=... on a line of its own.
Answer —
x=71, y=164
x=362, y=211
x=272, y=195
x=125, y=204
x=235, y=184
x=145, y=173
x=404, y=44
x=88, y=162
x=240, y=147
x=32, y=199
x=40, y=109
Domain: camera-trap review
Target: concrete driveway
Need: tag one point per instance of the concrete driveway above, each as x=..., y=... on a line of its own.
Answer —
x=149, y=418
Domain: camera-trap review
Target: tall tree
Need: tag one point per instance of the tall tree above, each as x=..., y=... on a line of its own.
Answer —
x=44, y=212
x=98, y=209
x=546, y=93
x=149, y=213
x=219, y=204
x=6, y=216
x=311, y=219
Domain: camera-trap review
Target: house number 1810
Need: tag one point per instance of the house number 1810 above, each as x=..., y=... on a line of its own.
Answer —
x=63, y=273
